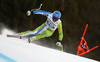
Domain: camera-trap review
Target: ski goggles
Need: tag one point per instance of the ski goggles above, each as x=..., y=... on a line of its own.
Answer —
x=55, y=18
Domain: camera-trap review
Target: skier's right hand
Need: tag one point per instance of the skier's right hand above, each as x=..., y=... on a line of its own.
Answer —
x=28, y=13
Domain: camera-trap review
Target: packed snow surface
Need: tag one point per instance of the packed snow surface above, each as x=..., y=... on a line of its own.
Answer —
x=17, y=50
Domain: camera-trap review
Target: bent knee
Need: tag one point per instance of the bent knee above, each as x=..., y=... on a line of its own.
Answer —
x=48, y=33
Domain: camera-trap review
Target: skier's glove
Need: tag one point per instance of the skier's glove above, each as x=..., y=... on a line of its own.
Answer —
x=28, y=13
x=59, y=44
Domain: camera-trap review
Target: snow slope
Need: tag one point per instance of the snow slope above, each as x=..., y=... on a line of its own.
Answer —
x=17, y=50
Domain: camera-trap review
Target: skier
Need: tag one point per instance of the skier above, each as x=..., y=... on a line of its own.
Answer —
x=47, y=28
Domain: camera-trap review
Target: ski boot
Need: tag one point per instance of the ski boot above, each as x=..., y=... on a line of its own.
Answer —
x=18, y=35
x=32, y=39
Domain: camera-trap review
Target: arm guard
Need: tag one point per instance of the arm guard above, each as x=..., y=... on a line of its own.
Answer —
x=45, y=13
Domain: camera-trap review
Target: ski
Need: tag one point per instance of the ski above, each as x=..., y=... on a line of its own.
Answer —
x=87, y=51
x=8, y=35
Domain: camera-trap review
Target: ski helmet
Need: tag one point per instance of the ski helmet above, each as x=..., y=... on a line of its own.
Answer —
x=57, y=14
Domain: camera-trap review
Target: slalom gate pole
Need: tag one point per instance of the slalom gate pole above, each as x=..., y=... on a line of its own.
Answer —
x=88, y=51
x=83, y=36
x=84, y=39
x=77, y=53
x=93, y=48
x=85, y=30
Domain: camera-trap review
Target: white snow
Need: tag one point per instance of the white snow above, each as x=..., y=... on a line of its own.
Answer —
x=18, y=50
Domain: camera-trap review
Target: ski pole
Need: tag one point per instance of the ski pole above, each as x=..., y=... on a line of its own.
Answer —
x=38, y=8
x=62, y=48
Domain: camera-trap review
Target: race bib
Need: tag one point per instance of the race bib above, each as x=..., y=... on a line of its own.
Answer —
x=51, y=24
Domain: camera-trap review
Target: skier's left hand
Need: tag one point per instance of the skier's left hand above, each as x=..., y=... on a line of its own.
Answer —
x=28, y=13
x=59, y=44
